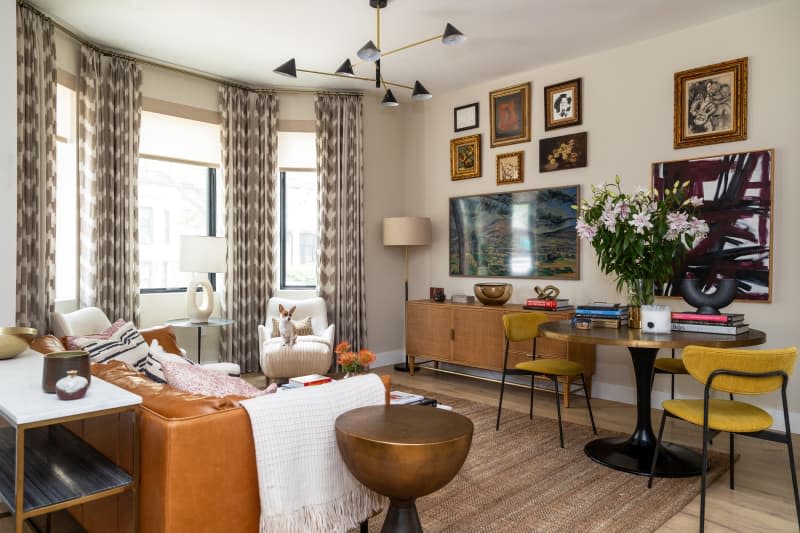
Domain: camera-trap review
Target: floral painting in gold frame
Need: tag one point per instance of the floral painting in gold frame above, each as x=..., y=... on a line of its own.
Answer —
x=711, y=104
x=510, y=115
x=563, y=152
x=510, y=168
x=465, y=157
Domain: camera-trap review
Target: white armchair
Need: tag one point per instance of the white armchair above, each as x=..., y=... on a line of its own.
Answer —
x=310, y=354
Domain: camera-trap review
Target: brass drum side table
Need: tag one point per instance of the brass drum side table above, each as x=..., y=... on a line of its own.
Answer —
x=403, y=452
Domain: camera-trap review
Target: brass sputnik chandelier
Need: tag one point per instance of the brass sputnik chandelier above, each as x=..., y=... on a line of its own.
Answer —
x=371, y=53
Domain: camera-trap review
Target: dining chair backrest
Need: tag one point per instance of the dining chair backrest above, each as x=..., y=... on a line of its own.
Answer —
x=701, y=362
x=523, y=326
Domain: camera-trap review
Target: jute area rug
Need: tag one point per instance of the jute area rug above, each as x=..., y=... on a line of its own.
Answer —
x=519, y=479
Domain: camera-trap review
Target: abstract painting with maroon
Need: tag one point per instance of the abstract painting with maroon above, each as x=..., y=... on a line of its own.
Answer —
x=737, y=205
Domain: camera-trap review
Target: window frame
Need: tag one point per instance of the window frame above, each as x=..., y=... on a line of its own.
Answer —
x=211, y=218
x=282, y=224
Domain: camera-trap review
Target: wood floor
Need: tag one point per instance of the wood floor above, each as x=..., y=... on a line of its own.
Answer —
x=762, y=500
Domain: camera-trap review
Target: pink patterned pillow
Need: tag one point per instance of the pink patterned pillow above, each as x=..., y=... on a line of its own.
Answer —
x=102, y=336
x=198, y=380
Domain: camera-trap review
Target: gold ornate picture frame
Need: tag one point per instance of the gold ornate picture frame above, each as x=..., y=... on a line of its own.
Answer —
x=510, y=115
x=711, y=104
x=562, y=105
x=465, y=157
x=510, y=168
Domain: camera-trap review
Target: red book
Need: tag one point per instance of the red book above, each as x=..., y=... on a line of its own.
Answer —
x=723, y=319
x=307, y=381
x=546, y=304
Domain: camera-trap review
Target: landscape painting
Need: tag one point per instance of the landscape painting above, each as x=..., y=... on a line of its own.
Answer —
x=521, y=234
x=737, y=205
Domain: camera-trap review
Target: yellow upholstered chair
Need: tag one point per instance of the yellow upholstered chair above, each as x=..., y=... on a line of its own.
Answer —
x=520, y=327
x=746, y=372
x=672, y=367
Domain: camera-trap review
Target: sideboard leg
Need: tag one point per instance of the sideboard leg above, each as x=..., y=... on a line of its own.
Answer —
x=566, y=392
x=411, y=359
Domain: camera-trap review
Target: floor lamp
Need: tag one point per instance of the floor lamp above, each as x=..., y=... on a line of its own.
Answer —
x=405, y=232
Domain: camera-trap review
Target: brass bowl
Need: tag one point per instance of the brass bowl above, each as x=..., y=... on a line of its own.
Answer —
x=493, y=293
x=14, y=341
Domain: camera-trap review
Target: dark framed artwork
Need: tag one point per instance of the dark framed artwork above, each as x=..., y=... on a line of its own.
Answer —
x=465, y=157
x=711, y=104
x=465, y=117
x=510, y=168
x=737, y=195
x=510, y=115
x=562, y=105
x=520, y=234
x=563, y=152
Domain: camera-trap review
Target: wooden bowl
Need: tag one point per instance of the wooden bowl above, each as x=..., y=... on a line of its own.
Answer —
x=14, y=341
x=493, y=293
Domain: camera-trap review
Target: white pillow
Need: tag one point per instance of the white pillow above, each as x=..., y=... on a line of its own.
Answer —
x=155, y=356
x=126, y=344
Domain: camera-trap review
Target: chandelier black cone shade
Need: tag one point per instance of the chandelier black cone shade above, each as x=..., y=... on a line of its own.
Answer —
x=345, y=69
x=287, y=69
x=372, y=53
x=452, y=35
x=420, y=92
x=389, y=100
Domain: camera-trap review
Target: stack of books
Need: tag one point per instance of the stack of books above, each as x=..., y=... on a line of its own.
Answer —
x=604, y=314
x=540, y=304
x=723, y=324
x=307, y=381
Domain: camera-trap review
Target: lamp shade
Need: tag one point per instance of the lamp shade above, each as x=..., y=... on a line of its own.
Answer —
x=389, y=100
x=406, y=231
x=203, y=254
x=420, y=92
x=369, y=52
x=288, y=69
x=345, y=69
x=451, y=35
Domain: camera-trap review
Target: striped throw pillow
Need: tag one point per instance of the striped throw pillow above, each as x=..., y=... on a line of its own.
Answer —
x=126, y=344
x=301, y=327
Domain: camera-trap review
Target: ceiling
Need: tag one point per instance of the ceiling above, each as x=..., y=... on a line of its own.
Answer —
x=245, y=40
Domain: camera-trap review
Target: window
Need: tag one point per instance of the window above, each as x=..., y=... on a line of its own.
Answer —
x=66, y=196
x=180, y=193
x=297, y=157
x=174, y=199
x=298, y=229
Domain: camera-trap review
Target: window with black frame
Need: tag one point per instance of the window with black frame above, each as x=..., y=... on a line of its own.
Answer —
x=298, y=228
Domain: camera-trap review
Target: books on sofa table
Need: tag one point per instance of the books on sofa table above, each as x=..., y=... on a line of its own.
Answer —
x=308, y=381
x=613, y=323
x=397, y=397
x=582, y=312
x=552, y=305
x=546, y=309
x=711, y=328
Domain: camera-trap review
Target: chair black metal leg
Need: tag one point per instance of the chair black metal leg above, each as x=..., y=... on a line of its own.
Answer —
x=672, y=386
x=704, y=474
x=655, y=452
x=730, y=459
x=364, y=528
x=500, y=405
x=531, y=413
x=588, y=403
x=558, y=411
x=502, y=387
x=791, y=452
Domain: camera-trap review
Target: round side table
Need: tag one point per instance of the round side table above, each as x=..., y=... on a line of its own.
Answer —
x=403, y=452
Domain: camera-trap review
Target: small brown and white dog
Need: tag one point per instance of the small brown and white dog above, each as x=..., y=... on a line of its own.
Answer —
x=286, y=326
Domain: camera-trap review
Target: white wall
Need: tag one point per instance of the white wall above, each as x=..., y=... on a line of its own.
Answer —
x=8, y=161
x=628, y=111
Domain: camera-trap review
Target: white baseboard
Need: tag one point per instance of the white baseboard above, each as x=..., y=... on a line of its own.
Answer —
x=624, y=394
x=391, y=357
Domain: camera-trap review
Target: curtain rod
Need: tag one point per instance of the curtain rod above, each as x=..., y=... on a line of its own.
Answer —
x=179, y=68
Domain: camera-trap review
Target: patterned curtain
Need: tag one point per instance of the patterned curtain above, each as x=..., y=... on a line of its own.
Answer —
x=340, y=175
x=36, y=175
x=249, y=162
x=109, y=114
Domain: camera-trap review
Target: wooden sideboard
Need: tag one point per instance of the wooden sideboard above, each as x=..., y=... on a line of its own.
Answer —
x=472, y=335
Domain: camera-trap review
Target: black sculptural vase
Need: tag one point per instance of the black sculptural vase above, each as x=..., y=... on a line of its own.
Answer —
x=708, y=304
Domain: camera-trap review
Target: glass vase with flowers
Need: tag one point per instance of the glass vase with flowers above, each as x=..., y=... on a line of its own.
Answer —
x=353, y=362
x=638, y=236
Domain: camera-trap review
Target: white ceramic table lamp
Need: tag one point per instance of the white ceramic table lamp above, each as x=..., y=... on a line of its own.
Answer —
x=201, y=255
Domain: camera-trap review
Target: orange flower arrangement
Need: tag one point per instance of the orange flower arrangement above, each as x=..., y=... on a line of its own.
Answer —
x=353, y=362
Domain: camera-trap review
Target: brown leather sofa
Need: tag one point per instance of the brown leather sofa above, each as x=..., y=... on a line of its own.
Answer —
x=197, y=461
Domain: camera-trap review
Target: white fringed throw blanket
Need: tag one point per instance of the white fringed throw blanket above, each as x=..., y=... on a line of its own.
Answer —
x=303, y=482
